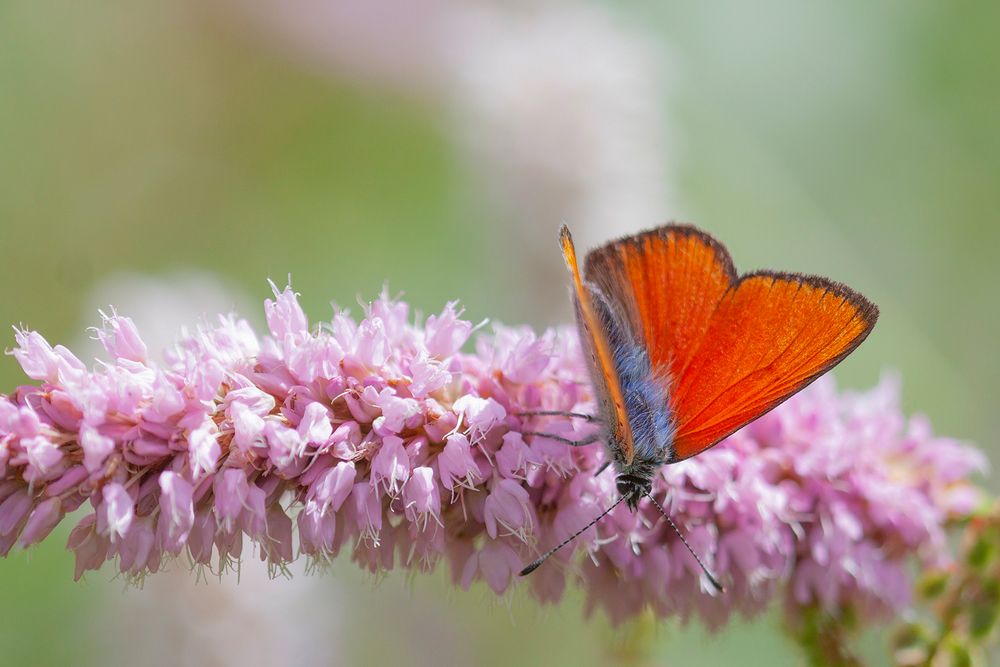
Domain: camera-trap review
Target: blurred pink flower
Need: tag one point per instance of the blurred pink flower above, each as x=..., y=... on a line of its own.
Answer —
x=384, y=436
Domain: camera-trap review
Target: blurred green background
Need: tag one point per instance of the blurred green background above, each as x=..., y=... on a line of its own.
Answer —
x=855, y=141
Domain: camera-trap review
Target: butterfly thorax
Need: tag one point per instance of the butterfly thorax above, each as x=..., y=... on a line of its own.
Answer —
x=644, y=391
x=648, y=413
x=647, y=443
x=647, y=410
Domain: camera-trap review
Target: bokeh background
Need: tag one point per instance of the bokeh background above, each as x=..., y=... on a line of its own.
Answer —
x=169, y=157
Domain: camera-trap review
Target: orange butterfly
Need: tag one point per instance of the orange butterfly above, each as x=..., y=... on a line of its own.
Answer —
x=683, y=351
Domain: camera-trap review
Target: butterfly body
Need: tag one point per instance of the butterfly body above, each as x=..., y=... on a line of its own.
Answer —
x=645, y=397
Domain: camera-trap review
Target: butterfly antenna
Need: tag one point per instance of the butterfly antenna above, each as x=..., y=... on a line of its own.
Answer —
x=541, y=559
x=711, y=577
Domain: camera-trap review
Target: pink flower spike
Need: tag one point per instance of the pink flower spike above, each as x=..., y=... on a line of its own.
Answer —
x=370, y=434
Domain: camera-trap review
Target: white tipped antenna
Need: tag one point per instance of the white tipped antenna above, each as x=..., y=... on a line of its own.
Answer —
x=541, y=559
x=711, y=577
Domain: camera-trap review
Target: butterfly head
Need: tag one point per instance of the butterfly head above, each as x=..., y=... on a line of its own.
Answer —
x=633, y=487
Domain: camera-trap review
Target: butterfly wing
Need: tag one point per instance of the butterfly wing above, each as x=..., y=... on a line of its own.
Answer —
x=593, y=314
x=669, y=280
x=731, y=347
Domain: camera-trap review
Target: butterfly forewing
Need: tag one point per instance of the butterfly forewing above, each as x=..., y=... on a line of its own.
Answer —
x=594, y=339
x=671, y=280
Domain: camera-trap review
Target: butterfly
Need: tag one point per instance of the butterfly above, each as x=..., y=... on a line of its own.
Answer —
x=683, y=351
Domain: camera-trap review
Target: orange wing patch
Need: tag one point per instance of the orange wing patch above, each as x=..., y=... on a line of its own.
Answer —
x=732, y=348
x=770, y=336
x=594, y=339
x=670, y=279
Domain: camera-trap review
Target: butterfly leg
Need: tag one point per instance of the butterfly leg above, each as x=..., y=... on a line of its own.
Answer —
x=604, y=466
x=589, y=440
x=557, y=413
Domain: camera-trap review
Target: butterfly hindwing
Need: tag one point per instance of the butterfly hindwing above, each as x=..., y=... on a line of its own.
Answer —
x=731, y=348
x=771, y=335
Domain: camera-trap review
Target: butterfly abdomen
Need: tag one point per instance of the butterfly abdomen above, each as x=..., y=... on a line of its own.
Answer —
x=644, y=392
x=647, y=404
